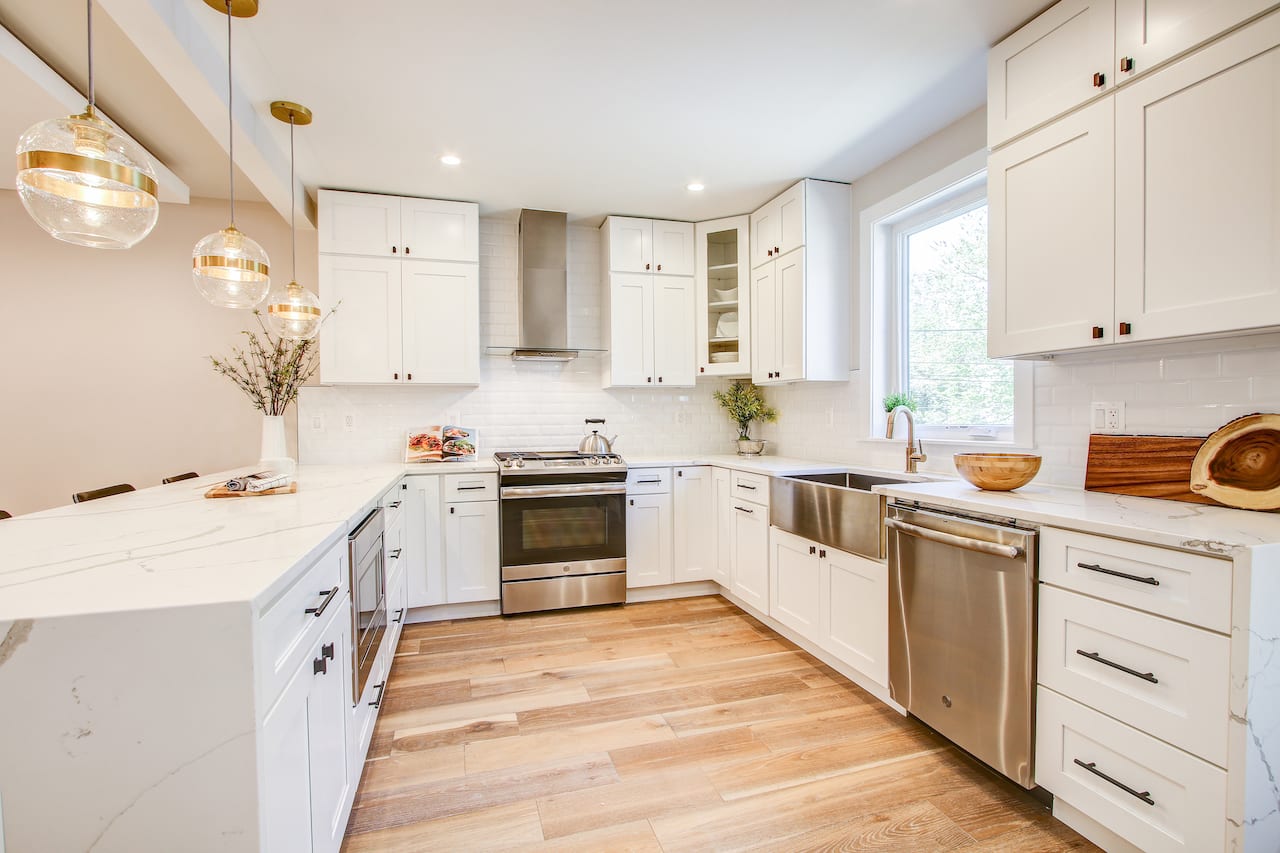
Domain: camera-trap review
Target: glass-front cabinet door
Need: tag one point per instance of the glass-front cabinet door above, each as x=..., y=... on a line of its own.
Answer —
x=723, y=297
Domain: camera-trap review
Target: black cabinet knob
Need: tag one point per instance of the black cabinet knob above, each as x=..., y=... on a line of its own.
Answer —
x=319, y=666
x=327, y=651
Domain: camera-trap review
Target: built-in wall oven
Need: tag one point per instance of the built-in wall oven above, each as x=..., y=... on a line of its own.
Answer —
x=564, y=530
x=368, y=598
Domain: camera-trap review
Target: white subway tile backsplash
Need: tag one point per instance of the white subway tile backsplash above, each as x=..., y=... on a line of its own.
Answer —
x=1193, y=366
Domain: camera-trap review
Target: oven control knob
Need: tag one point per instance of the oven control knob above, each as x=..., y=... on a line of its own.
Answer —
x=519, y=463
x=506, y=463
x=595, y=460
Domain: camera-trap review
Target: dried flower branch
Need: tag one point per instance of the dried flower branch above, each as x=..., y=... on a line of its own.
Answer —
x=271, y=369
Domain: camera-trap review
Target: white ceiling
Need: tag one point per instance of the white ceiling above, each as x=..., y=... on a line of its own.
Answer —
x=578, y=105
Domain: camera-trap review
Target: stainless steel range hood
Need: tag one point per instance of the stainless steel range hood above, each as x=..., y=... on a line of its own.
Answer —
x=543, y=283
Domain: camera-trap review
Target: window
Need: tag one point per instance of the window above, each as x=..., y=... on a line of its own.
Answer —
x=929, y=338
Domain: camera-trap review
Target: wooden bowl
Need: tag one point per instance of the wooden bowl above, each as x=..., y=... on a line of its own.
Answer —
x=998, y=472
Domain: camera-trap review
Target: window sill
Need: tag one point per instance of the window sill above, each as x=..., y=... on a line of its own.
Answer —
x=958, y=444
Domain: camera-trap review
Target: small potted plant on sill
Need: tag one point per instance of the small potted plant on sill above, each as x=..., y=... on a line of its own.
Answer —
x=896, y=399
x=270, y=371
x=744, y=404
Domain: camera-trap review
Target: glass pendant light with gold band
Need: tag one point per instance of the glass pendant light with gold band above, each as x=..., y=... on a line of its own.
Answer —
x=229, y=269
x=293, y=311
x=85, y=182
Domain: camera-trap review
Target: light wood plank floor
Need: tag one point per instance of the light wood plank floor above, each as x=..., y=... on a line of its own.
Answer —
x=674, y=725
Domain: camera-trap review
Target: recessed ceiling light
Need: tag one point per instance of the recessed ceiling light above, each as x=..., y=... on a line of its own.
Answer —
x=451, y=160
x=695, y=188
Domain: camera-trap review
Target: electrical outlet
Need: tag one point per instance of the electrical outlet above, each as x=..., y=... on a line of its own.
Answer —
x=1107, y=417
x=317, y=422
x=349, y=422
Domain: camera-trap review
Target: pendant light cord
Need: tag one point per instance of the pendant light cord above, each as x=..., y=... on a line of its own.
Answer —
x=89, y=15
x=293, y=214
x=231, y=129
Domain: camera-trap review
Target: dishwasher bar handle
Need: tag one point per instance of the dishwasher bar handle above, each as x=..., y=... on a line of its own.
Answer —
x=563, y=491
x=968, y=543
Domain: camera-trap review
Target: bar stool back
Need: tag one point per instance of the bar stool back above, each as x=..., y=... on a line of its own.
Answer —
x=104, y=492
x=177, y=478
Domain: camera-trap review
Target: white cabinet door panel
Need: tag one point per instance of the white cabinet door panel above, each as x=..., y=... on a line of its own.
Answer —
x=1151, y=31
x=790, y=206
x=766, y=233
x=694, y=524
x=424, y=541
x=630, y=244
x=790, y=316
x=649, y=547
x=751, y=554
x=1198, y=248
x=1047, y=67
x=724, y=513
x=360, y=342
x=441, y=321
x=327, y=737
x=764, y=323
x=286, y=769
x=471, y=551
x=359, y=223
x=1052, y=237
x=436, y=230
x=673, y=248
x=631, y=319
x=794, y=583
x=673, y=317
x=855, y=618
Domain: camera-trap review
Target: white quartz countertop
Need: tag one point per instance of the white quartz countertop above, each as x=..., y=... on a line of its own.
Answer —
x=770, y=466
x=169, y=546
x=1195, y=527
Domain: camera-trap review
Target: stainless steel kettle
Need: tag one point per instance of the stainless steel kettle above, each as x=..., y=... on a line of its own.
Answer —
x=595, y=442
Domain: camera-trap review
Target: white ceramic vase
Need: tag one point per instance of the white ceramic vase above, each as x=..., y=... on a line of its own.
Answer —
x=275, y=451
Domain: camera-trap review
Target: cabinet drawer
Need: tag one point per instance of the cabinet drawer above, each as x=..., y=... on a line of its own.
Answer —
x=286, y=630
x=1174, y=680
x=392, y=503
x=1187, y=587
x=1184, y=800
x=470, y=487
x=648, y=481
x=750, y=487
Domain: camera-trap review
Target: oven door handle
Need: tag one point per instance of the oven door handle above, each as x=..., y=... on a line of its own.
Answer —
x=563, y=491
x=968, y=543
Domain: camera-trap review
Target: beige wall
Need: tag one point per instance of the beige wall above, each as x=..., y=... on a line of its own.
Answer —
x=105, y=375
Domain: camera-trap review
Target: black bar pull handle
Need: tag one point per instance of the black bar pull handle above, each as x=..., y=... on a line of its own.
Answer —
x=471, y=488
x=382, y=686
x=744, y=509
x=1092, y=767
x=1094, y=656
x=399, y=615
x=319, y=609
x=395, y=555
x=1094, y=567
x=320, y=666
x=326, y=651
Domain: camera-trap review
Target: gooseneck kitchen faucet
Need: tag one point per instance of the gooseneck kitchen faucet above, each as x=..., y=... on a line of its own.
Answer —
x=915, y=455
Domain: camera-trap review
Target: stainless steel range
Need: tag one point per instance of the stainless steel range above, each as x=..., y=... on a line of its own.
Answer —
x=564, y=530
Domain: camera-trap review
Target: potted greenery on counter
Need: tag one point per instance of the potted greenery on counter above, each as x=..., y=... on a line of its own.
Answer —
x=744, y=403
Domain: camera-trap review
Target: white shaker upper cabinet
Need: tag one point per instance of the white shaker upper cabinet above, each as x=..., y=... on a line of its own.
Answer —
x=673, y=333
x=1058, y=61
x=789, y=315
x=673, y=248
x=440, y=230
x=441, y=322
x=1052, y=237
x=360, y=342
x=359, y=223
x=1151, y=31
x=1198, y=191
x=630, y=244
x=630, y=361
x=790, y=208
x=764, y=331
x=766, y=233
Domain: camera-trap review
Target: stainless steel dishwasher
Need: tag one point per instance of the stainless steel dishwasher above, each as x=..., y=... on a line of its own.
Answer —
x=962, y=631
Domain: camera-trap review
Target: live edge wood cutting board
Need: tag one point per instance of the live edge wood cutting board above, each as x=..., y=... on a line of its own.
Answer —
x=1148, y=466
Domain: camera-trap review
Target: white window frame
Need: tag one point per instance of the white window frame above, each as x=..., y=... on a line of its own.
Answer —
x=883, y=229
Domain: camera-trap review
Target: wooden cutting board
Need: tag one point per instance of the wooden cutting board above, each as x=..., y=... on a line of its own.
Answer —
x=224, y=492
x=1148, y=466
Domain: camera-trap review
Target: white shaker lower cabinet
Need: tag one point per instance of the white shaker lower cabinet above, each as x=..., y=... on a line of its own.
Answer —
x=471, y=551
x=751, y=554
x=722, y=512
x=855, y=612
x=649, y=534
x=424, y=539
x=306, y=776
x=795, y=586
x=694, y=524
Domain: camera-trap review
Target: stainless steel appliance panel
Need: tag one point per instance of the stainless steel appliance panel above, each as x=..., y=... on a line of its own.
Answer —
x=560, y=592
x=368, y=597
x=542, y=571
x=962, y=632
